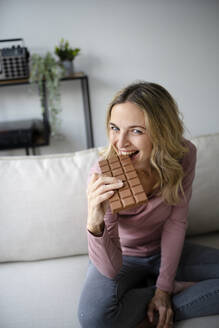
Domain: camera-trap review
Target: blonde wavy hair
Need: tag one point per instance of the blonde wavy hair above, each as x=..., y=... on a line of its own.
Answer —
x=165, y=128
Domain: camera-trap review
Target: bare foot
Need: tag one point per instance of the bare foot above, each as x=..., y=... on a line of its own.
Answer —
x=179, y=286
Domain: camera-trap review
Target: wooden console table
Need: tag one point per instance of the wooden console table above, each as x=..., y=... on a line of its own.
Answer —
x=36, y=133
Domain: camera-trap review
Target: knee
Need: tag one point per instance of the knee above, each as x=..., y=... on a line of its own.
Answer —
x=97, y=302
x=94, y=314
x=94, y=318
x=88, y=318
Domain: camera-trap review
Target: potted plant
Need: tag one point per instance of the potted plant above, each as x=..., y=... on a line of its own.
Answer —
x=45, y=69
x=66, y=55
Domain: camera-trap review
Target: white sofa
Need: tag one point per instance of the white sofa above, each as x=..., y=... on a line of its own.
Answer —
x=43, y=246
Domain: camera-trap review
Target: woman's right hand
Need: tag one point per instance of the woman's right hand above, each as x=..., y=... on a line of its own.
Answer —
x=99, y=190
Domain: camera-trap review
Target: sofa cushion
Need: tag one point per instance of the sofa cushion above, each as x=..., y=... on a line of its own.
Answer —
x=43, y=205
x=42, y=294
x=204, y=206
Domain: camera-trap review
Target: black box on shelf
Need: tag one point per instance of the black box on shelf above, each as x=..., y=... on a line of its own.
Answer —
x=23, y=134
x=16, y=134
x=14, y=61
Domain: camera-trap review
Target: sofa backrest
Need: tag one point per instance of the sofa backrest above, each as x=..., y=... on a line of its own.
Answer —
x=43, y=206
x=204, y=206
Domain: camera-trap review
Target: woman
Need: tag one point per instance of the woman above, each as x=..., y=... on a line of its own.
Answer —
x=141, y=273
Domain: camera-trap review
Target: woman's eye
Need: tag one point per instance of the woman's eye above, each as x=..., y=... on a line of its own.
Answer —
x=136, y=131
x=114, y=128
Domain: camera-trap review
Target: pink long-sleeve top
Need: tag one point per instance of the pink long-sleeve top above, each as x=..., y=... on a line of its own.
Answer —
x=146, y=230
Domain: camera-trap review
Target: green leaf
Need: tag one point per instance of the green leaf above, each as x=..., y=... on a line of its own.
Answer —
x=65, y=52
x=46, y=68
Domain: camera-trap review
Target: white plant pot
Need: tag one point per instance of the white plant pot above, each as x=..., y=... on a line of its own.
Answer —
x=68, y=67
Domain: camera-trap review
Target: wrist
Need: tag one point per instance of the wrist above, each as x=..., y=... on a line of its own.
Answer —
x=162, y=292
x=96, y=229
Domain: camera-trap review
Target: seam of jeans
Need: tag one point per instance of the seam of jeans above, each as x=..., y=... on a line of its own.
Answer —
x=202, y=298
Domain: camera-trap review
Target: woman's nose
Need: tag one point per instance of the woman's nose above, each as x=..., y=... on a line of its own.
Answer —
x=123, y=140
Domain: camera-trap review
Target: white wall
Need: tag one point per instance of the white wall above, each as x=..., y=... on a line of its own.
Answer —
x=171, y=42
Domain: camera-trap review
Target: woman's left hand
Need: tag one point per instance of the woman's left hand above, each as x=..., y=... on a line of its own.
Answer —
x=161, y=303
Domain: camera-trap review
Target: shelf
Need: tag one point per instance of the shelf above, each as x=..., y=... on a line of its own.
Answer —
x=75, y=76
x=46, y=131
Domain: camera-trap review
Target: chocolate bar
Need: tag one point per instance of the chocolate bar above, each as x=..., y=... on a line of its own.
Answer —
x=131, y=194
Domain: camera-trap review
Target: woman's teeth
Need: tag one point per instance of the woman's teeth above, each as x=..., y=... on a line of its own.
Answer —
x=128, y=153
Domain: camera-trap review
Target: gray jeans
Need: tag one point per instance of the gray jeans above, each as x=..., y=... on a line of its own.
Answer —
x=122, y=302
